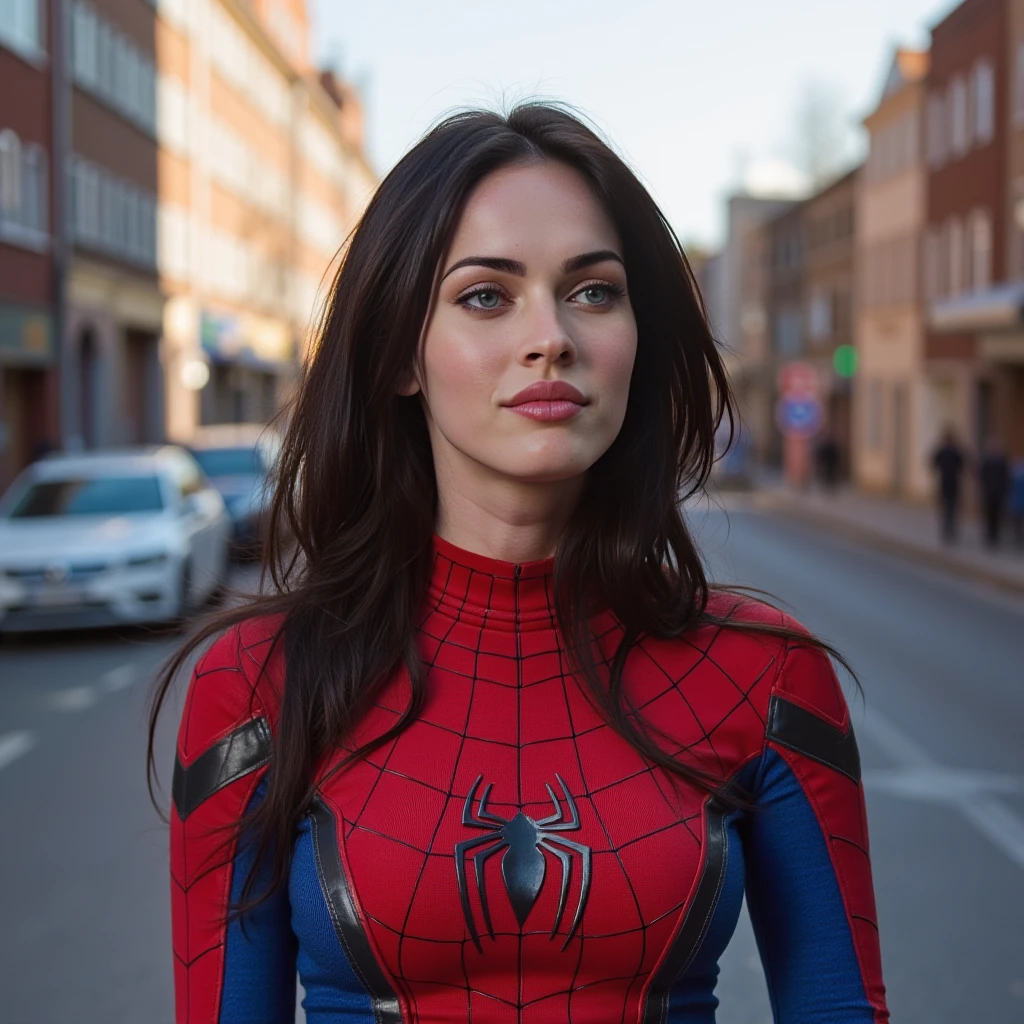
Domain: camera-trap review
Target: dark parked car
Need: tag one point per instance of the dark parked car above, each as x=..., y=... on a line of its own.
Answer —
x=240, y=460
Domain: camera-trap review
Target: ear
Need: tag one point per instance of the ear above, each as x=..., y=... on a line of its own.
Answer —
x=409, y=387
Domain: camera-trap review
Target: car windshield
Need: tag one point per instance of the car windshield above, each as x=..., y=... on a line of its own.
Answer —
x=229, y=461
x=96, y=496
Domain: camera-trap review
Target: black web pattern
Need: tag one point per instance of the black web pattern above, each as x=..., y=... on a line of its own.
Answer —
x=444, y=630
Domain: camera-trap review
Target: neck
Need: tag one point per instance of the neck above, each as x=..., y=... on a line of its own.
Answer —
x=508, y=520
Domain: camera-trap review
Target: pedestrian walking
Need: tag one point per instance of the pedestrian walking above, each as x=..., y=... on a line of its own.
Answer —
x=478, y=754
x=949, y=462
x=994, y=478
x=1017, y=500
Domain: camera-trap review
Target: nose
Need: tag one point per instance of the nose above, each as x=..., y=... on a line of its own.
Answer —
x=547, y=340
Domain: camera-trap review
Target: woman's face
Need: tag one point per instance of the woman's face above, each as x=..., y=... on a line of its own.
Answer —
x=527, y=354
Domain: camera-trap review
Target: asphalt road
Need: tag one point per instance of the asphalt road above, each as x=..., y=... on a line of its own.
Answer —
x=83, y=884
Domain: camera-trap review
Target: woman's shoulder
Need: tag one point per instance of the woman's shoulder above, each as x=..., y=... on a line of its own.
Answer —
x=801, y=669
x=237, y=681
x=746, y=654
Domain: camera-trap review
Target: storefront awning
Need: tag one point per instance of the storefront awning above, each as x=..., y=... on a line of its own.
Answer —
x=994, y=309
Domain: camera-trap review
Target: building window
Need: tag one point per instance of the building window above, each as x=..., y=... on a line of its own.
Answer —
x=788, y=339
x=112, y=215
x=959, y=138
x=984, y=118
x=912, y=132
x=10, y=172
x=21, y=27
x=933, y=264
x=819, y=316
x=873, y=433
x=24, y=192
x=955, y=255
x=85, y=56
x=112, y=67
x=172, y=114
x=979, y=245
x=1018, y=92
x=936, y=130
x=173, y=256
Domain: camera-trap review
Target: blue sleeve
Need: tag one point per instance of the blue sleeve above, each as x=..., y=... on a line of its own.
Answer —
x=260, y=952
x=796, y=901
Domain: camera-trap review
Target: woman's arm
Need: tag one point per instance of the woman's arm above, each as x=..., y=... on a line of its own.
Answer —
x=225, y=970
x=809, y=885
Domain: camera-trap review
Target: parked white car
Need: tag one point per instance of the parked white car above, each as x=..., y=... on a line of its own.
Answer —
x=110, y=537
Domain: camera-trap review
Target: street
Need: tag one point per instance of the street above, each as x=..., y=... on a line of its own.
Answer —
x=83, y=862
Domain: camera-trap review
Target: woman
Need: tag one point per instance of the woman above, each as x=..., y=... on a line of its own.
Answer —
x=492, y=750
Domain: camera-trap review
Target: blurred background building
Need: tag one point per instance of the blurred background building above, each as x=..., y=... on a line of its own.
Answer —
x=892, y=409
x=177, y=178
x=896, y=285
x=28, y=350
x=966, y=268
x=211, y=175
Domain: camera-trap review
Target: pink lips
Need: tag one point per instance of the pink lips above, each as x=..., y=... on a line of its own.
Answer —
x=548, y=400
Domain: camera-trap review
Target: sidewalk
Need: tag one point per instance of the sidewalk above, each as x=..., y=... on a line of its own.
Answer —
x=904, y=529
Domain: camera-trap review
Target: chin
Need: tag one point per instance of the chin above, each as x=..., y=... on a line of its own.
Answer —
x=550, y=467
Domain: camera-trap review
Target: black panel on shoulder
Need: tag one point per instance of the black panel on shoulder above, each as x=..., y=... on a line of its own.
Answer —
x=237, y=754
x=351, y=934
x=795, y=728
x=698, y=915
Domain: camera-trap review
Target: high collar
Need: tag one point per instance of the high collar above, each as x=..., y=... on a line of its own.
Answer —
x=490, y=592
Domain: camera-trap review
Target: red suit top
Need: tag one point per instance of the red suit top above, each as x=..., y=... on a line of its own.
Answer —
x=509, y=857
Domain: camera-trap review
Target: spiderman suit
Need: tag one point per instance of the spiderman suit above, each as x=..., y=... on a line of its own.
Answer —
x=509, y=857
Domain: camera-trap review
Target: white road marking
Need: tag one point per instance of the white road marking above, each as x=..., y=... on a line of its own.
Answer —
x=920, y=777
x=895, y=742
x=939, y=784
x=119, y=678
x=995, y=820
x=13, y=745
x=80, y=698
x=77, y=698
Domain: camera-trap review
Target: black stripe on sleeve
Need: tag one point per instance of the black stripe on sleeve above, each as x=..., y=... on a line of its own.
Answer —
x=797, y=729
x=237, y=754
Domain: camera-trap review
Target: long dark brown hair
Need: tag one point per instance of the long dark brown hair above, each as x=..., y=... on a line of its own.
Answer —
x=348, y=547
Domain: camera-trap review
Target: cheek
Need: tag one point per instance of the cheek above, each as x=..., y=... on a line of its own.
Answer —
x=462, y=369
x=613, y=364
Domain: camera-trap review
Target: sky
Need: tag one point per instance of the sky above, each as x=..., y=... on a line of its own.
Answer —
x=697, y=95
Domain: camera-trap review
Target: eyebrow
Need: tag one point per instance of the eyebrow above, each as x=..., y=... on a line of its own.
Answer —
x=507, y=266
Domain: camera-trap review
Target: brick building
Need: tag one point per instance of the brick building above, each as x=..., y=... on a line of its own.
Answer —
x=829, y=221
x=28, y=381
x=261, y=177
x=112, y=356
x=973, y=305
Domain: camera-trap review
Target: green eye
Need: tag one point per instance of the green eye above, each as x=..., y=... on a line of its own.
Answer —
x=594, y=295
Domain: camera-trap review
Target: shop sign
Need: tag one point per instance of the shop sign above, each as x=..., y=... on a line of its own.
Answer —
x=26, y=336
x=245, y=339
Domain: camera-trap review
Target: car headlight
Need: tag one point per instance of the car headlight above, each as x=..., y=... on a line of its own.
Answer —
x=148, y=561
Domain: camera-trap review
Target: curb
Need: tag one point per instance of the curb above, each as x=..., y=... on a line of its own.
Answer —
x=934, y=558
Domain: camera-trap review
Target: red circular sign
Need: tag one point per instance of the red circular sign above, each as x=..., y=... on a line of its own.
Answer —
x=799, y=379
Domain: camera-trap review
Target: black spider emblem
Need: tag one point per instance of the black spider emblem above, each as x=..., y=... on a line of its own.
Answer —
x=522, y=866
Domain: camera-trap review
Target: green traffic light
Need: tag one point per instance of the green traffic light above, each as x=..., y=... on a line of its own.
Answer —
x=844, y=360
